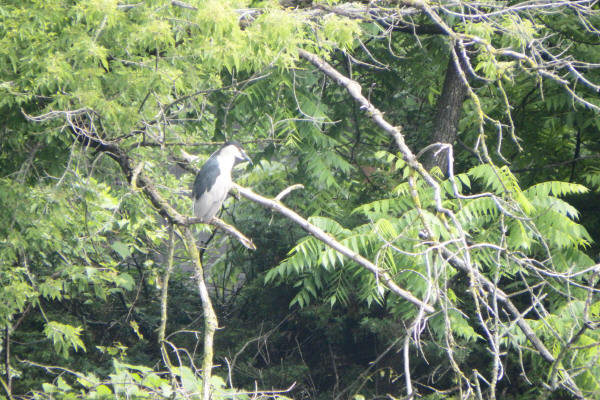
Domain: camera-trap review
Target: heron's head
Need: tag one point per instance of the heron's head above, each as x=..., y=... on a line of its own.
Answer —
x=234, y=149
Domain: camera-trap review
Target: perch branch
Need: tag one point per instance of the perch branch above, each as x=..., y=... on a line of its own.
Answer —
x=138, y=180
x=231, y=231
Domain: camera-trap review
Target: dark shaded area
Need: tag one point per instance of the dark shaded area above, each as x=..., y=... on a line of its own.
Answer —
x=447, y=115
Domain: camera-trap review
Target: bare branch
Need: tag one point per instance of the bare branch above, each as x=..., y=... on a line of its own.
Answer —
x=503, y=298
x=231, y=231
x=287, y=190
x=334, y=244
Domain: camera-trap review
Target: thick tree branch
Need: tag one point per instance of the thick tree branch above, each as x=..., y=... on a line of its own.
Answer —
x=324, y=237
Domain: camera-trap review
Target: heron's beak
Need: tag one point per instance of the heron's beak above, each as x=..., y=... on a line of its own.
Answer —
x=247, y=158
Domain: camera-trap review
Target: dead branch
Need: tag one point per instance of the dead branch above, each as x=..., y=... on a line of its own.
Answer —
x=514, y=311
x=503, y=298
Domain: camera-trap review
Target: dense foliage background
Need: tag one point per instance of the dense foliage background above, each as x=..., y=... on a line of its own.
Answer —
x=470, y=271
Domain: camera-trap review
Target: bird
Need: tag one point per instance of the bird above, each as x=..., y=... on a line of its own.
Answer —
x=213, y=181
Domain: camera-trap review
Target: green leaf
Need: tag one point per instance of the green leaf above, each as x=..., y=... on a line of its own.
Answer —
x=63, y=337
x=122, y=249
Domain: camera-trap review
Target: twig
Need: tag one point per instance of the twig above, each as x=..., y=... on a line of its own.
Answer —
x=368, y=369
x=6, y=388
x=8, y=383
x=263, y=336
x=558, y=164
x=503, y=298
x=287, y=190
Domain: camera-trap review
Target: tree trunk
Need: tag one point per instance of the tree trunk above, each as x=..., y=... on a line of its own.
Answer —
x=447, y=116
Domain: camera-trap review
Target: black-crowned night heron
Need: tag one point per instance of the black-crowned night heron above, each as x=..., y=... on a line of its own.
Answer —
x=214, y=180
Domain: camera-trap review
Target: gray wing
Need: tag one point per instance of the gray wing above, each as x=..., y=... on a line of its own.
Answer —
x=206, y=178
x=204, y=193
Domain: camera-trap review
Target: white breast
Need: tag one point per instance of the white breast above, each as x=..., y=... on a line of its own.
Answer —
x=207, y=206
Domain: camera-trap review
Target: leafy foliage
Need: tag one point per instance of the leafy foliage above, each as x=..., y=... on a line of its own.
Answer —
x=83, y=252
